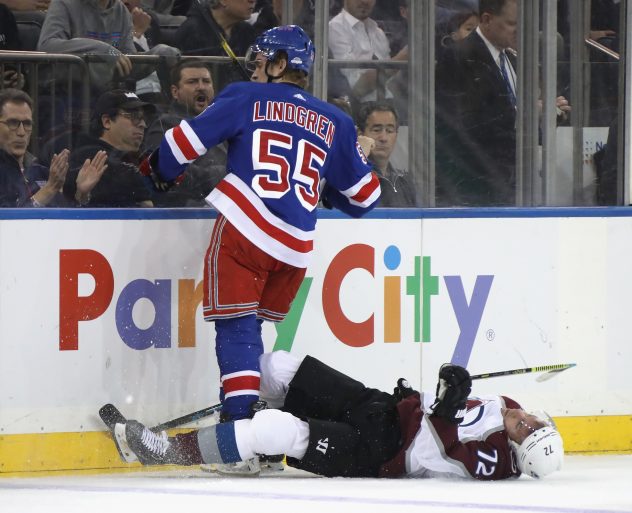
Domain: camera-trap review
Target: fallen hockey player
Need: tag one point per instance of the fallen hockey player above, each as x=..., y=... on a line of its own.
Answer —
x=330, y=424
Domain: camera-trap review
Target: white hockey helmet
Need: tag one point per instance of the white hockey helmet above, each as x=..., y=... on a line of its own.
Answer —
x=541, y=453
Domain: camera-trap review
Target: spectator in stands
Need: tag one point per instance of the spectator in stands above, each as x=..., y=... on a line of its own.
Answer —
x=9, y=40
x=476, y=94
x=453, y=24
x=379, y=121
x=147, y=34
x=29, y=15
x=191, y=91
x=397, y=33
x=455, y=27
x=24, y=182
x=9, y=36
x=353, y=35
x=198, y=34
x=101, y=27
x=117, y=127
x=477, y=87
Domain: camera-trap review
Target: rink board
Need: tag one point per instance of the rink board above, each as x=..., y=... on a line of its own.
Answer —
x=104, y=306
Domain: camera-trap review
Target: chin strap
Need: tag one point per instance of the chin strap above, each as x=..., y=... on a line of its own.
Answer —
x=271, y=77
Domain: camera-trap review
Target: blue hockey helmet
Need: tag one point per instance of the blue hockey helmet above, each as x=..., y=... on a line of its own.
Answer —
x=291, y=39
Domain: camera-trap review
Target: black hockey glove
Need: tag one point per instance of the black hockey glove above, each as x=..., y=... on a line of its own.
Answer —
x=453, y=388
x=403, y=390
x=149, y=169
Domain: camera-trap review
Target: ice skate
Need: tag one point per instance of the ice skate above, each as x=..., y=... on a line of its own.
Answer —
x=136, y=442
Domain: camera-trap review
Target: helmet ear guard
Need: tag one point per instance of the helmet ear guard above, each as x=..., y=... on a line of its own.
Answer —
x=541, y=453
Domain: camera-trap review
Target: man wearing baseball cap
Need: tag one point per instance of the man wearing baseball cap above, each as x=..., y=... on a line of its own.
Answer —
x=117, y=126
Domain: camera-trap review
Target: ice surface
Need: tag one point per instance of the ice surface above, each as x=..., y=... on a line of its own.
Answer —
x=592, y=484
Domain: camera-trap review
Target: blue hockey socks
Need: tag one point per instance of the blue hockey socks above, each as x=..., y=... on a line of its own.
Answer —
x=238, y=346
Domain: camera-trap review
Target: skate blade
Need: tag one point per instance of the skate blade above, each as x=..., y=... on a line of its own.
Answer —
x=232, y=470
x=121, y=444
x=272, y=466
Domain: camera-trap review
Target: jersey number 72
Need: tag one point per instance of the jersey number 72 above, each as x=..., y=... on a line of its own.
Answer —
x=275, y=182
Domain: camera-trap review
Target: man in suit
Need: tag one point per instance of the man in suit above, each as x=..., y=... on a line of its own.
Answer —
x=476, y=95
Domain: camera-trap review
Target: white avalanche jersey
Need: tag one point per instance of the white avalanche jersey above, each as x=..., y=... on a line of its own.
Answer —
x=478, y=447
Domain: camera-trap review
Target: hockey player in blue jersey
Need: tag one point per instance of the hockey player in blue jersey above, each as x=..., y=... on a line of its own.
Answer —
x=287, y=150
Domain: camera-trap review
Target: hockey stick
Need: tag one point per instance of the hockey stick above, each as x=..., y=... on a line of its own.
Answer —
x=549, y=370
x=111, y=415
x=189, y=417
x=223, y=43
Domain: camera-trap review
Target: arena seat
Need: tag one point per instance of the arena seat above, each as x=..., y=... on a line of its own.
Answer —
x=168, y=33
x=29, y=31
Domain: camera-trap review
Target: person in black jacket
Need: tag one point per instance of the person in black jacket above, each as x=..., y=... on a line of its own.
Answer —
x=379, y=121
x=198, y=33
x=10, y=40
x=9, y=36
x=117, y=128
x=479, y=102
x=191, y=91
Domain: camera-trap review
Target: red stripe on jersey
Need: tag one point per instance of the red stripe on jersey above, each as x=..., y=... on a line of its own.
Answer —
x=183, y=143
x=240, y=383
x=301, y=246
x=366, y=191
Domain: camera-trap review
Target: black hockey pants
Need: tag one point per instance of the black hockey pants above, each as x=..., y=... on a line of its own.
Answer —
x=353, y=429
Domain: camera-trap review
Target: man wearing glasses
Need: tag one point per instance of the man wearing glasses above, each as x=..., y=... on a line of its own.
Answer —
x=24, y=182
x=117, y=126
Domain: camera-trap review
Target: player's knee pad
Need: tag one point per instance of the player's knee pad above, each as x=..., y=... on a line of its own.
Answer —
x=277, y=370
x=278, y=432
x=331, y=450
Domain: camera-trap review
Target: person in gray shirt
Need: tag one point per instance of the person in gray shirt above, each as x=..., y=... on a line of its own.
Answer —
x=101, y=27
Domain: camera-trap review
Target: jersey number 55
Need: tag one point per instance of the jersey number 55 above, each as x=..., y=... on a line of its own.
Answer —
x=275, y=182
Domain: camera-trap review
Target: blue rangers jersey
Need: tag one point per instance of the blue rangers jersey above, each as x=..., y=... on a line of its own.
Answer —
x=284, y=146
